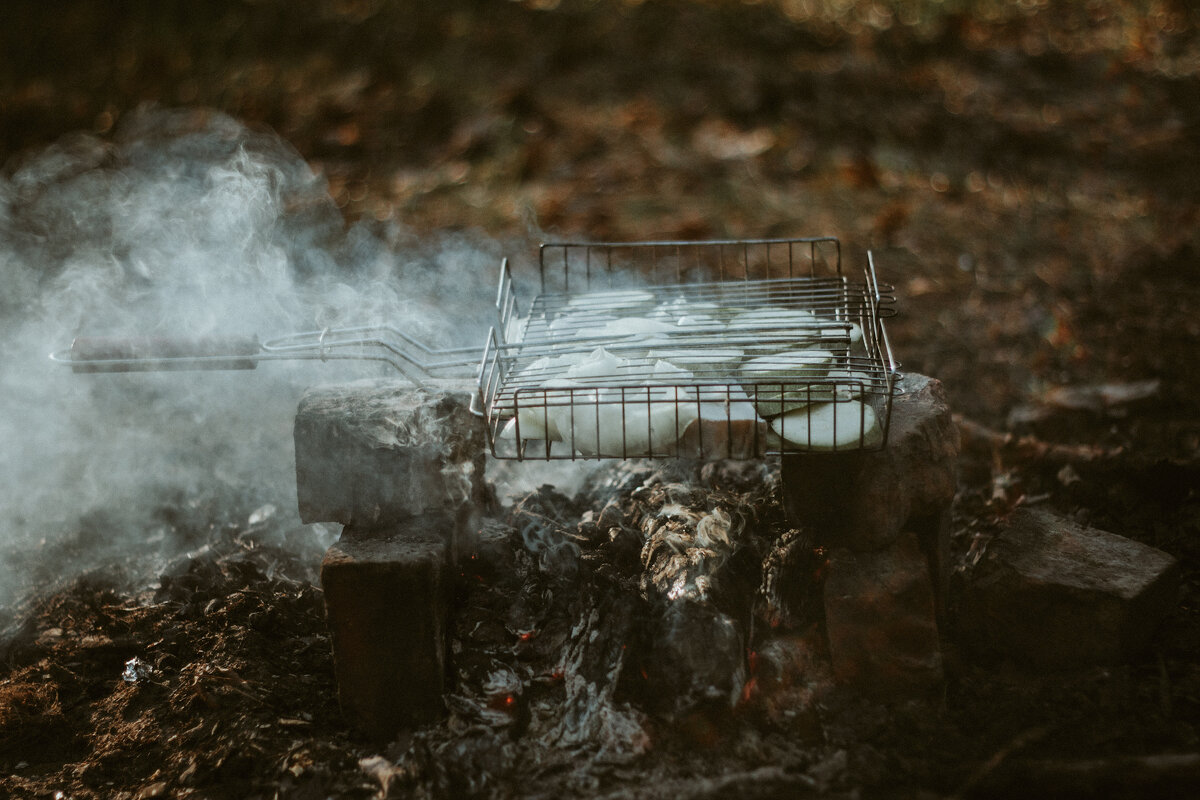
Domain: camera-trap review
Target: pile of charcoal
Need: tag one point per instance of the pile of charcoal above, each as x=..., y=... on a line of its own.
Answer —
x=663, y=611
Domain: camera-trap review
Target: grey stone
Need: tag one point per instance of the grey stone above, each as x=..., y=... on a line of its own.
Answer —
x=881, y=621
x=864, y=500
x=374, y=452
x=386, y=601
x=1051, y=593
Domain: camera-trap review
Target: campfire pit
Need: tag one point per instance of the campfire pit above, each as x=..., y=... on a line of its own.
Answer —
x=782, y=355
x=695, y=651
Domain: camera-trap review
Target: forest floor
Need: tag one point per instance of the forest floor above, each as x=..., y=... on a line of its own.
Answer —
x=1025, y=174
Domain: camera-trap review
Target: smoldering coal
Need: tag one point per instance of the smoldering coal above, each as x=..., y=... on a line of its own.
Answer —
x=183, y=224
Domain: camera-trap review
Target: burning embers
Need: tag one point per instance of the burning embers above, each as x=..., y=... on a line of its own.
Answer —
x=642, y=618
x=646, y=606
x=640, y=601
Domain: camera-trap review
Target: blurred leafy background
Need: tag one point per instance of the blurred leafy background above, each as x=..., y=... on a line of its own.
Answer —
x=1025, y=170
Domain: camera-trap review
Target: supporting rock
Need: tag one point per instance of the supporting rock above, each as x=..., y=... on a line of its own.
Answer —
x=386, y=596
x=373, y=452
x=879, y=615
x=885, y=518
x=1050, y=593
x=402, y=469
x=864, y=500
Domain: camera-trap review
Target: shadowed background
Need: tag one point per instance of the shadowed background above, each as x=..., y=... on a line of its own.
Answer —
x=1025, y=173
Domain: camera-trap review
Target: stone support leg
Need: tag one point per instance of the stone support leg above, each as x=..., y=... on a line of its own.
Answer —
x=402, y=470
x=386, y=595
x=884, y=516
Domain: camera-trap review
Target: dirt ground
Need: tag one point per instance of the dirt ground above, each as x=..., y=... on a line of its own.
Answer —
x=1025, y=173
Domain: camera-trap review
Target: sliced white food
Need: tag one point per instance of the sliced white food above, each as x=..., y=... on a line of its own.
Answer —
x=668, y=374
x=837, y=384
x=707, y=360
x=637, y=330
x=850, y=382
x=607, y=422
x=773, y=319
x=771, y=344
x=635, y=326
x=598, y=364
x=792, y=365
x=775, y=330
x=663, y=422
x=632, y=334
x=616, y=299
x=573, y=324
x=539, y=411
x=833, y=329
x=829, y=426
x=663, y=313
x=682, y=307
x=546, y=368
x=638, y=420
x=700, y=322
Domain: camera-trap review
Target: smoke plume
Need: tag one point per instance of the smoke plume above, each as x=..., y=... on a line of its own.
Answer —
x=183, y=224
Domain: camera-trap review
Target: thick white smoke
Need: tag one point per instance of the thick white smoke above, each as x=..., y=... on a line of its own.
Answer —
x=184, y=224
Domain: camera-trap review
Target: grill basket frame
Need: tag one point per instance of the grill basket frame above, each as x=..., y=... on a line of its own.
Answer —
x=748, y=295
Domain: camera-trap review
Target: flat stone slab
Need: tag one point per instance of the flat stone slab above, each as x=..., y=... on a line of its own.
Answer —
x=374, y=452
x=1051, y=593
x=881, y=621
x=386, y=602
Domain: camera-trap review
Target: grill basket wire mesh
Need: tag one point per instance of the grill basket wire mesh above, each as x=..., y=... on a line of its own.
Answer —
x=566, y=267
x=735, y=349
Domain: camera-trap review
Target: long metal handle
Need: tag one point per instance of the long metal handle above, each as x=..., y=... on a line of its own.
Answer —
x=410, y=357
x=150, y=354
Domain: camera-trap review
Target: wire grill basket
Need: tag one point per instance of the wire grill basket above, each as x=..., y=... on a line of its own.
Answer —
x=735, y=349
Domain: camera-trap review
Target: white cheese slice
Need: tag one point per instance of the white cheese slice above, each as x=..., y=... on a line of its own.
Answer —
x=770, y=318
x=572, y=325
x=829, y=426
x=634, y=326
x=836, y=329
x=703, y=359
x=615, y=299
x=636, y=422
x=794, y=365
x=598, y=364
x=837, y=384
x=700, y=322
x=539, y=411
x=631, y=422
